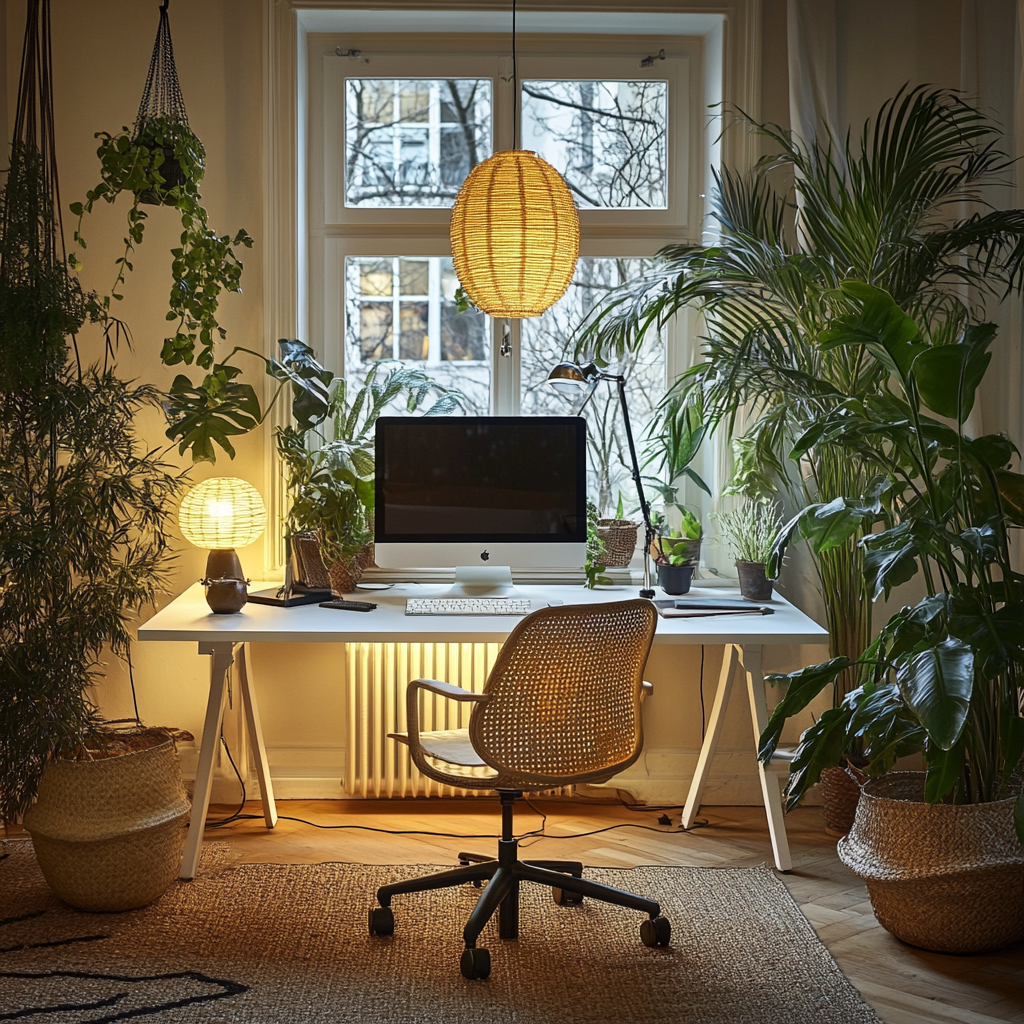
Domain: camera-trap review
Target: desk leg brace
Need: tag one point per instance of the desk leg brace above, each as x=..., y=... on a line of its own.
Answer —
x=750, y=658
x=222, y=656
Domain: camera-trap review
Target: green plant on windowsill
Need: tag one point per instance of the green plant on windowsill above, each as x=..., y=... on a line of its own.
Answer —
x=676, y=545
x=329, y=455
x=750, y=531
x=593, y=567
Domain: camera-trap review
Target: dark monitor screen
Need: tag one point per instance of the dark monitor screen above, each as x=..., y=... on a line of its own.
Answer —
x=481, y=478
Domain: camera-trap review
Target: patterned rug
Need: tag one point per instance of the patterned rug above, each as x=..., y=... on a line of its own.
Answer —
x=277, y=944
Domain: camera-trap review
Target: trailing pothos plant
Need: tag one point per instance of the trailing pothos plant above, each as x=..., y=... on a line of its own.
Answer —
x=203, y=265
x=945, y=676
x=328, y=453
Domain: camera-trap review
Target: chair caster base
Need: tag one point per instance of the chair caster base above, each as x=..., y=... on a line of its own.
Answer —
x=566, y=899
x=656, y=931
x=475, y=964
x=382, y=921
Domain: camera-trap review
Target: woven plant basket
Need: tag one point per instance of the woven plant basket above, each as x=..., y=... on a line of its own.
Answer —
x=109, y=833
x=619, y=536
x=945, y=877
x=840, y=794
x=347, y=572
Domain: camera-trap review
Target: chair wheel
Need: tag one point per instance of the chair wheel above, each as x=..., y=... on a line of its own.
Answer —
x=475, y=963
x=382, y=921
x=566, y=899
x=655, y=932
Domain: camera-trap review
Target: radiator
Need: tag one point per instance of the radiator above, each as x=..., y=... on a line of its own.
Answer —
x=375, y=679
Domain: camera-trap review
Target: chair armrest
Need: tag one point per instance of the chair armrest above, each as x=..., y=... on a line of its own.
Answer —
x=647, y=691
x=449, y=690
x=412, y=704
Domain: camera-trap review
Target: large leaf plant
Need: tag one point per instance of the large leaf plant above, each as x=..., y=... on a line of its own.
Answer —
x=946, y=675
x=883, y=208
x=328, y=454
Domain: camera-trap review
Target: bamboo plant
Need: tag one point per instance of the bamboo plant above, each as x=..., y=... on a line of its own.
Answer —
x=881, y=208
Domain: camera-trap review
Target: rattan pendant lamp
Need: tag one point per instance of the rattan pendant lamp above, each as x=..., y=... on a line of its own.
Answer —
x=515, y=232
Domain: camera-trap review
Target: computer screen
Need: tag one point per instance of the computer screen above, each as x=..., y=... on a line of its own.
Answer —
x=467, y=490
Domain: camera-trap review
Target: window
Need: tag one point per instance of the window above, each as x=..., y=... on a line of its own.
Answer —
x=396, y=123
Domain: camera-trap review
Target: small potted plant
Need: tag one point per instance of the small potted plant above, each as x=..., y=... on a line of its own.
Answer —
x=676, y=551
x=750, y=532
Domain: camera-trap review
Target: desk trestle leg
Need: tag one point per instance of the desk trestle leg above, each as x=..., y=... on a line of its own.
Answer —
x=220, y=661
x=259, y=750
x=750, y=658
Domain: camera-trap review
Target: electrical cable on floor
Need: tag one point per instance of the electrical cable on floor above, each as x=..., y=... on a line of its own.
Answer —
x=535, y=833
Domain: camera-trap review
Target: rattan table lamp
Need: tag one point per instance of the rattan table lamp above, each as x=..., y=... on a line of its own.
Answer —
x=223, y=513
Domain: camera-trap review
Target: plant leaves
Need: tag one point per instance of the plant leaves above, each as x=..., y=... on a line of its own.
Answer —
x=944, y=768
x=937, y=686
x=1011, y=490
x=948, y=376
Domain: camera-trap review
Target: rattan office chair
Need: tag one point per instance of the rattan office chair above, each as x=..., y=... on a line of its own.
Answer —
x=561, y=706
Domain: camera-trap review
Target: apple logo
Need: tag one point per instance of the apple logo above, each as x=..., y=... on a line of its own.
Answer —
x=485, y=554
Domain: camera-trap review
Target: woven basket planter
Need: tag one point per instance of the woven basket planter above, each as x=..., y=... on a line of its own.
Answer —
x=619, y=536
x=109, y=833
x=945, y=877
x=840, y=794
x=347, y=572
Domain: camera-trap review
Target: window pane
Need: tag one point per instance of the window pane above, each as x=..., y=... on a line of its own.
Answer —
x=411, y=142
x=543, y=343
x=417, y=294
x=607, y=139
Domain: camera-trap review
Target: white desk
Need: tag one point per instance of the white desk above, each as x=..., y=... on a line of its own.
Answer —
x=225, y=639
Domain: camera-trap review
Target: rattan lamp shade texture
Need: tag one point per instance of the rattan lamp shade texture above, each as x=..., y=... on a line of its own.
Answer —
x=222, y=512
x=515, y=235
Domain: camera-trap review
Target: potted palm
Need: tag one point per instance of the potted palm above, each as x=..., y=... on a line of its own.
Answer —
x=328, y=458
x=942, y=851
x=750, y=533
x=882, y=209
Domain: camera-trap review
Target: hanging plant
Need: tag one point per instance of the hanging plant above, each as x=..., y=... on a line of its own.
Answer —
x=161, y=162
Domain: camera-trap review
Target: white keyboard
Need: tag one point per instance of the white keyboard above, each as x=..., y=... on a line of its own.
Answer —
x=467, y=606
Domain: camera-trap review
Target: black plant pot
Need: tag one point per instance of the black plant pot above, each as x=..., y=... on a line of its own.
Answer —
x=754, y=583
x=675, y=579
x=173, y=176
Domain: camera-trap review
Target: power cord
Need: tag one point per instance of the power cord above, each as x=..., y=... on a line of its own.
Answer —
x=535, y=833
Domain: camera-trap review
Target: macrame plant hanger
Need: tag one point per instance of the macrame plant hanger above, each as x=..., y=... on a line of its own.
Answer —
x=162, y=99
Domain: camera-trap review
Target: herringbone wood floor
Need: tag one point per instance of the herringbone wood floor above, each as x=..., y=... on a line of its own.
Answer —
x=903, y=984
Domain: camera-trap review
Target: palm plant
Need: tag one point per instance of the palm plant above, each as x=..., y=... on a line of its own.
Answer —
x=882, y=211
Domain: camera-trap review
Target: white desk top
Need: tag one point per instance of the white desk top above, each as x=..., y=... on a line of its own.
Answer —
x=189, y=618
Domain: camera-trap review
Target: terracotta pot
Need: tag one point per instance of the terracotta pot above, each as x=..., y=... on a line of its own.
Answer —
x=109, y=833
x=754, y=583
x=945, y=877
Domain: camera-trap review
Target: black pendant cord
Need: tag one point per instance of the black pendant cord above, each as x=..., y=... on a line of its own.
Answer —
x=162, y=96
x=515, y=84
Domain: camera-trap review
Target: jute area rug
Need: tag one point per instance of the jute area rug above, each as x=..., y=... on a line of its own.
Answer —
x=288, y=944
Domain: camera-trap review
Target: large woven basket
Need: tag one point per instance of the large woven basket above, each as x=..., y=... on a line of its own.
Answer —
x=619, y=536
x=945, y=877
x=109, y=833
x=347, y=572
x=840, y=794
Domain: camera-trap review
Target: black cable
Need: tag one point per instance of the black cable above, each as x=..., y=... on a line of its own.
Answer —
x=703, y=719
x=238, y=814
x=131, y=679
x=515, y=83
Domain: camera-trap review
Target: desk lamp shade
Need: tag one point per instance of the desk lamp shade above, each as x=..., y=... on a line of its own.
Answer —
x=515, y=235
x=222, y=513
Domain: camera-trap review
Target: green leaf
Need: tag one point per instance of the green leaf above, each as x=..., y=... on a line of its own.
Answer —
x=937, y=686
x=803, y=687
x=821, y=746
x=944, y=768
x=890, y=558
x=1011, y=491
x=948, y=376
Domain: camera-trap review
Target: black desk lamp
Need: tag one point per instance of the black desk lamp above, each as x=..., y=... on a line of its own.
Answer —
x=570, y=379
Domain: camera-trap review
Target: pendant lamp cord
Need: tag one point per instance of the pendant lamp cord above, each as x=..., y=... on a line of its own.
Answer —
x=515, y=84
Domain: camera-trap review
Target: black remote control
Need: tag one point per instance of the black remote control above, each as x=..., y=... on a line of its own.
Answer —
x=350, y=606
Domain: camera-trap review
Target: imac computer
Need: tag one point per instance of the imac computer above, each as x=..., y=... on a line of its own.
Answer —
x=483, y=494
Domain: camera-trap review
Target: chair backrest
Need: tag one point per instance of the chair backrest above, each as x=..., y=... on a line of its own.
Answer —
x=564, y=695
